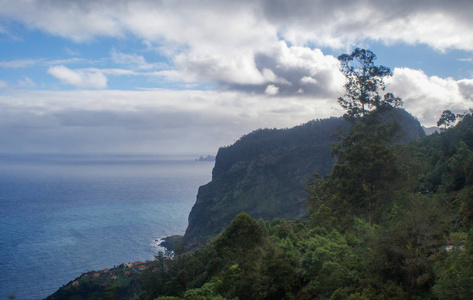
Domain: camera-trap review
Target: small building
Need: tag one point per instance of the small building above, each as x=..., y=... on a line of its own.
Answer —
x=127, y=273
x=129, y=265
x=141, y=268
x=106, y=270
x=137, y=263
x=96, y=275
x=75, y=283
x=114, y=277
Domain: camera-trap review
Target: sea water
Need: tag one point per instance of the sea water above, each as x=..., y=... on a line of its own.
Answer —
x=61, y=216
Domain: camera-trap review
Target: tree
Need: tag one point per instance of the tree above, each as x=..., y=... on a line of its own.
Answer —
x=456, y=271
x=364, y=80
x=365, y=168
x=446, y=119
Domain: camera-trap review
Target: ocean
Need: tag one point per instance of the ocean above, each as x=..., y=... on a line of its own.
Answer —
x=62, y=215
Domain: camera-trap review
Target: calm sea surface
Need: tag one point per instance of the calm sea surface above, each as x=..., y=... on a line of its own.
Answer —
x=64, y=215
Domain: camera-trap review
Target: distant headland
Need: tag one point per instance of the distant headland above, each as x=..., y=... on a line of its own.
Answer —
x=207, y=158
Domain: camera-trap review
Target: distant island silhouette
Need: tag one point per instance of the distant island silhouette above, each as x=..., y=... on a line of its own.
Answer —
x=207, y=158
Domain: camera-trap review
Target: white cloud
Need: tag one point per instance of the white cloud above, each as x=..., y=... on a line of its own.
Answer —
x=237, y=44
x=20, y=63
x=107, y=121
x=439, y=24
x=83, y=78
x=308, y=80
x=118, y=72
x=271, y=90
x=3, y=84
x=71, y=52
x=225, y=68
x=79, y=21
x=466, y=89
x=427, y=96
x=134, y=61
x=28, y=63
x=240, y=26
x=218, y=40
x=264, y=47
x=26, y=82
x=301, y=68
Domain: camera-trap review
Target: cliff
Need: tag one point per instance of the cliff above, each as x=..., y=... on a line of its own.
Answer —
x=265, y=174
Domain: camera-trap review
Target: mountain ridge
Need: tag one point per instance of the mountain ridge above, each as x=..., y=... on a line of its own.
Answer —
x=265, y=173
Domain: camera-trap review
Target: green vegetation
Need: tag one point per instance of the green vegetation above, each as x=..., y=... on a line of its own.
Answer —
x=265, y=173
x=364, y=82
x=395, y=224
x=392, y=220
x=446, y=119
x=116, y=283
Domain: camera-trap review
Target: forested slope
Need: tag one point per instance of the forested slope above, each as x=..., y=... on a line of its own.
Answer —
x=417, y=244
x=265, y=173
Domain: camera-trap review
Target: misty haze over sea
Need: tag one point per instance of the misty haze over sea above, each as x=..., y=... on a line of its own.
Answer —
x=64, y=215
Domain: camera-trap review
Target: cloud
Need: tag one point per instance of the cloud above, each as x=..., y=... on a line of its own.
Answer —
x=134, y=61
x=226, y=41
x=157, y=121
x=293, y=71
x=90, y=77
x=26, y=82
x=3, y=84
x=465, y=87
x=5, y=32
x=261, y=57
x=20, y=63
x=28, y=63
x=229, y=68
x=85, y=78
x=252, y=24
x=427, y=96
x=271, y=90
x=237, y=44
x=439, y=24
x=79, y=21
x=71, y=52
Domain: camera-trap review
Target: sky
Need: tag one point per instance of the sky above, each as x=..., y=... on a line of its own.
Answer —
x=188, y=77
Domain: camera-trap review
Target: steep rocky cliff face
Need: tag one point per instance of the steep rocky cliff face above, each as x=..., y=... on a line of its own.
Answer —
x=265, y=174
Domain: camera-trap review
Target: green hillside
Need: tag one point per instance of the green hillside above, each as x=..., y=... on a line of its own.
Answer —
x=265, y=173
x=418, y=245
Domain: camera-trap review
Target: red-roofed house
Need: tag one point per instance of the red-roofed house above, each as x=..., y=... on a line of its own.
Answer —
x=141, y=267
x=137, y=262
